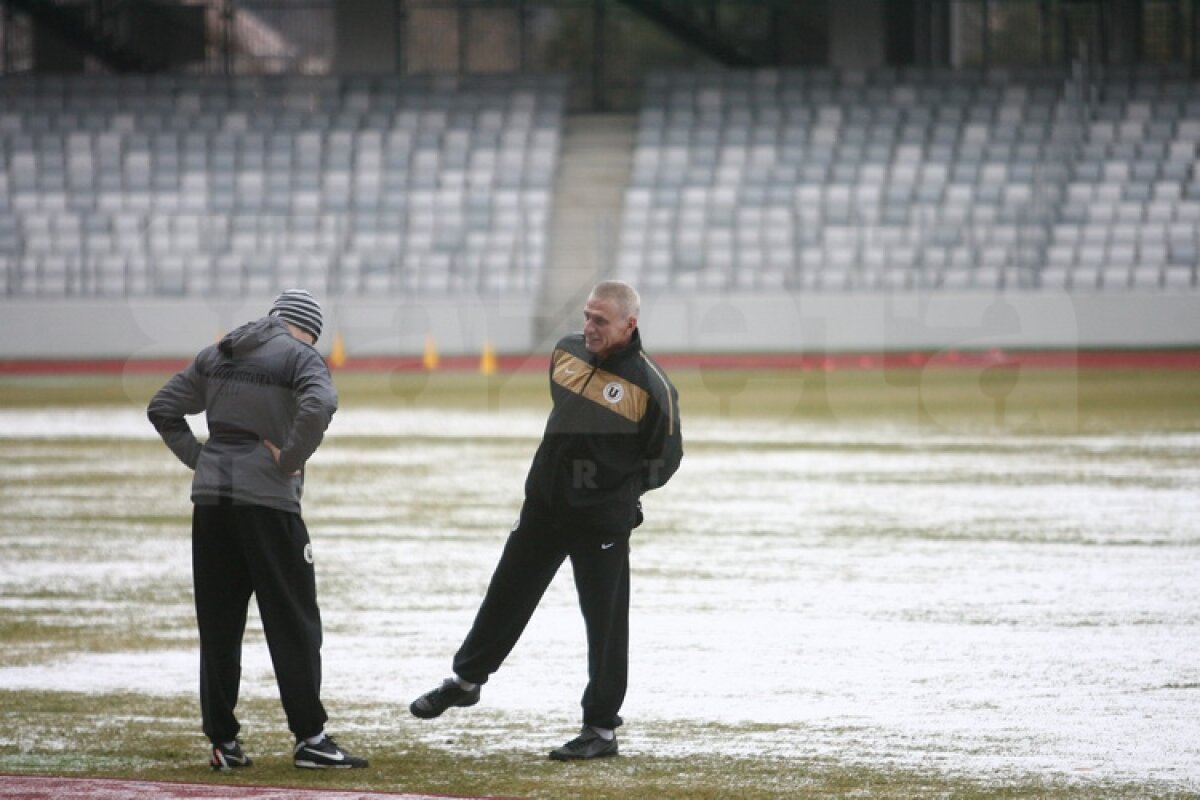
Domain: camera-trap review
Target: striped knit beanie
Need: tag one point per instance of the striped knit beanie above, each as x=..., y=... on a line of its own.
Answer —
x=299, y=308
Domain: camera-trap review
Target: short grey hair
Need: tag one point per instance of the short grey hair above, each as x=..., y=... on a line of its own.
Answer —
x=626, y=298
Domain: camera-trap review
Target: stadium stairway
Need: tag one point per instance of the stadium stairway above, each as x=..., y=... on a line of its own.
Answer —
x=593, y=174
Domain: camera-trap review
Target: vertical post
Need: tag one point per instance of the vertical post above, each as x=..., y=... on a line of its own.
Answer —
x=400, y=46
x=227, y=16
x=522, y=33
x=776, y=38
x=599, y=100
x=464, y=31
x=1177, y=33
x=1045, y=18
x=98, y=18
x=1102, y=56
x=1065, y=33
x=1137, y=53
x=985, y=35
x=1195, y=42
x=6, y=39
x=939, y=33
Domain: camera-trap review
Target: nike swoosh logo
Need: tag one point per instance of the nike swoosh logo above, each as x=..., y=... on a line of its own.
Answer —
x=229, y=759
x=330, y=756
x=607, y=546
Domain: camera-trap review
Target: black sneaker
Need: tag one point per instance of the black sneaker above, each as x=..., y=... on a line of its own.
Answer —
x=432, y=704
x=224, y=758
x=588, y=744
x=324, y=755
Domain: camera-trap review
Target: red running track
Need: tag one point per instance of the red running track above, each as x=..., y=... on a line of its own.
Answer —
x=41, y=787
x=1187, y=359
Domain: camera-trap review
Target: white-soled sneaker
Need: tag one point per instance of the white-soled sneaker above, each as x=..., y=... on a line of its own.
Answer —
x=225, y=758
x=324, y=755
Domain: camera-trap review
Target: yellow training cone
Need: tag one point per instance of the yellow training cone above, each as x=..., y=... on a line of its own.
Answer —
x=487, y=360
x=430, y=359
x=337, y=355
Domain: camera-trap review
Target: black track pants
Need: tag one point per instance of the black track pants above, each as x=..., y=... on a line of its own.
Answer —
x=535, y=550
x=239, y=550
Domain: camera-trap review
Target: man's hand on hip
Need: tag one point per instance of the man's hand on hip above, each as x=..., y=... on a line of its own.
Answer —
x=275, y=454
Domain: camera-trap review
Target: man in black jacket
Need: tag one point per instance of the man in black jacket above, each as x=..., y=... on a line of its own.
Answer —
x=268, y=398
x=613, y=434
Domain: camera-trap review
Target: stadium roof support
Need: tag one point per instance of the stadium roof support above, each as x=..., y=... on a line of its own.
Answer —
x=83, y=35
x=690, y=30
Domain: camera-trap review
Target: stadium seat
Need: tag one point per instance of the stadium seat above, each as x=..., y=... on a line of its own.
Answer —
x=141, y=176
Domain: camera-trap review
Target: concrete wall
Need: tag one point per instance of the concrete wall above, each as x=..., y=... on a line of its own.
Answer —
x=856, y=34
x=366, y=36
x=915, y=321
x=730, y=323
x=161, y=328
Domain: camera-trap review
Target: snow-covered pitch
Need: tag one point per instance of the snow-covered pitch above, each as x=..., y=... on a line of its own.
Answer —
x=975, y=602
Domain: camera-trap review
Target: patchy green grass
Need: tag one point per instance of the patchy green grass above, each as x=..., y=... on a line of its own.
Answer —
x=1024, y=400
x=102, y=500
x=64, y=733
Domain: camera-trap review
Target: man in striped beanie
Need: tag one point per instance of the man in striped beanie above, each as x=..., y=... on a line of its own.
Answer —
x=268, y=397
x=298, y=307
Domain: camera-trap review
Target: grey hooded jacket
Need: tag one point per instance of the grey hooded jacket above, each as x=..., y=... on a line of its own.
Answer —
x=258, y=383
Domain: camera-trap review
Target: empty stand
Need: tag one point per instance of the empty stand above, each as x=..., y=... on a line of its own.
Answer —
x=818, y=180
x=184, y=185
x=756, y=181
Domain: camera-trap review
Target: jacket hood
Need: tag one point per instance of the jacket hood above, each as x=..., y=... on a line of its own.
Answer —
x=251, y=336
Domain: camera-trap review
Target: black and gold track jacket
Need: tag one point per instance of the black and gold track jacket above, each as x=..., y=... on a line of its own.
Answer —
x=613, y=434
